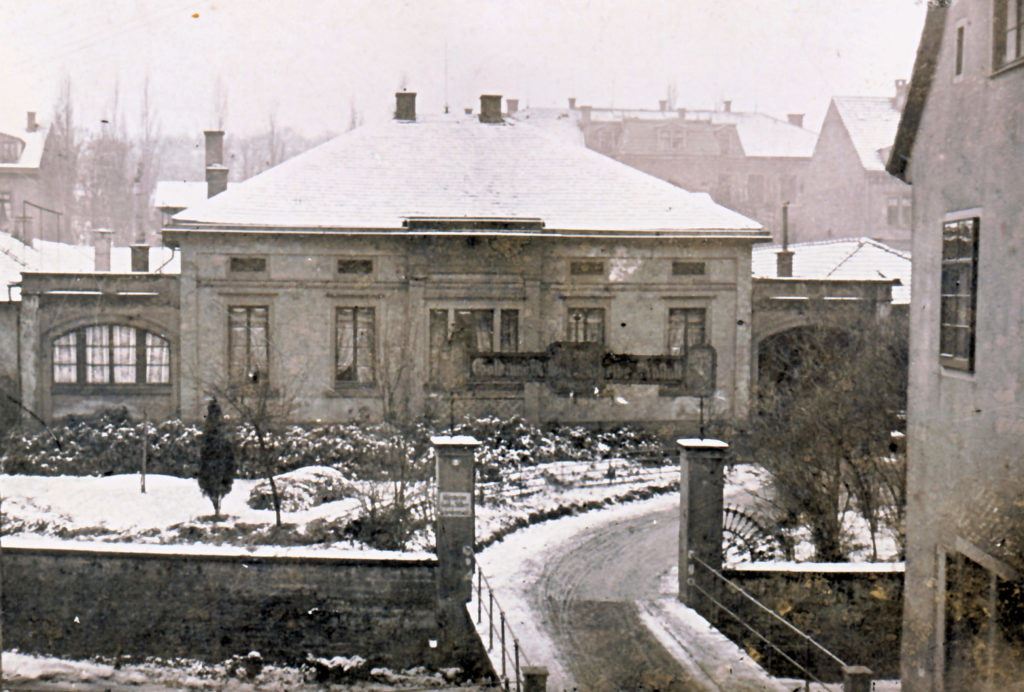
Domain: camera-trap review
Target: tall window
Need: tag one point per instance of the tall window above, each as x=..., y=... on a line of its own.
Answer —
x=355, y=345
x=958, y=66
x=248, y=343
x=1007, y=32
x=959, y=293
x=585, y=325
x=686, y=328
x=111, y=354
x=476, y=328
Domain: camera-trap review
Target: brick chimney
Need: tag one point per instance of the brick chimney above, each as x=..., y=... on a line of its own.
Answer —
x=31, y=125
x=784, y=257
x=682, y=113
x=103, y=238
x=405, y=106
x=140, y=258
x=216, y=172
x=796, y=119
x=662, y=105
x=900, y=99
x=572, y=103
x=727, y=106
x=512, y=106
x=490, y=108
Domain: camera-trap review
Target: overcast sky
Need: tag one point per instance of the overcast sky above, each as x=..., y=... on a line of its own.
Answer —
x=310, y=62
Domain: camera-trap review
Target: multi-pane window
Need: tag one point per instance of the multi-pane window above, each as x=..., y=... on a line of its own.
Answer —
x=111, y=354
x=671, y=139
x=355, y=345
x=6, y=210
x=1007, y=27
x=898, y=211
x=248, y=343
x=585, y=325
x=10, y=149
x=959, y=293
x=686, y=328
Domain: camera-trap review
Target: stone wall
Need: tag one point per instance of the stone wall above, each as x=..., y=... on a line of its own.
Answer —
x=853, y=611
x=153, y=601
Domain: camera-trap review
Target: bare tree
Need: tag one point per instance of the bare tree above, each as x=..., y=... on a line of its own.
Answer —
x=65, y=148
x=827, y=403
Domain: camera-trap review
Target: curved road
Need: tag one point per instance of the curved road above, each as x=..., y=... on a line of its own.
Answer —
x=588, y=595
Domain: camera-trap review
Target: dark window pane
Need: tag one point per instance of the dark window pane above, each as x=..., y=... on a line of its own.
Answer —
x=248, y=264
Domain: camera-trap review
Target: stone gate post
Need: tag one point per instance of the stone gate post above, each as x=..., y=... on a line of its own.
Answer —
x=456, y=542
x=701, y=485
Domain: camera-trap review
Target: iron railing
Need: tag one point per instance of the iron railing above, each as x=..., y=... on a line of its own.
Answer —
x=812, y=649
x=496, y=634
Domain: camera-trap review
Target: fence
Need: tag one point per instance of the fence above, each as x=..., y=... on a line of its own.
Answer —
x=496, y=635
x=815, y=661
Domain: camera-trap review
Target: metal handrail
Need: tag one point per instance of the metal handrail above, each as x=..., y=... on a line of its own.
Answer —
x=512, y=657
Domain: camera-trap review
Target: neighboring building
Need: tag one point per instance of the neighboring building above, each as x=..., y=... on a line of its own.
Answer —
x=26, y=212
x=400, y=263
x=846, y=191
x=749, y=162
x=961, y=146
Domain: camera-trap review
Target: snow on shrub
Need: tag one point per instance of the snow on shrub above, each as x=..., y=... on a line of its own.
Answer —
x=301, y=489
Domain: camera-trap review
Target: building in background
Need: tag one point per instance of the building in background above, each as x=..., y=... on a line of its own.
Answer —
x=845, y=191
x=26, y=210
x=749, y=162
x=961, y=146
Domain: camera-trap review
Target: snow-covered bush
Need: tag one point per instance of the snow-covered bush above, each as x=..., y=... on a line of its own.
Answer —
x=302, y=488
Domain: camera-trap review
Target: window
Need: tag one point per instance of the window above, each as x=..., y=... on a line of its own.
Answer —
x=898, y=211
x=671, y=139
x=355, y=266
x=10, y=149
x=959, y=293
x=355, y=345
x=248, y=264
x=688, y=269
x=958, y=67
x=474, y=328
x=586, y=326
x=906, y=211
x=686, y=328
x=587, y=268
x=111, y=354
x=755, y=189
x=248, y=344
x=1007, y=27
x=6, y=210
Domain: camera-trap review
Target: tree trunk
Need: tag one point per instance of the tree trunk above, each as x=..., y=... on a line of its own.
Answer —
x=269, y=473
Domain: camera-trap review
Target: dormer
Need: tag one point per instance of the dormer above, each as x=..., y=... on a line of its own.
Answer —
x=10, y=148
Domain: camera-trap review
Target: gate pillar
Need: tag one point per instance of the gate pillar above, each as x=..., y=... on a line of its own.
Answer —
x=701, y=484
x=456, y=542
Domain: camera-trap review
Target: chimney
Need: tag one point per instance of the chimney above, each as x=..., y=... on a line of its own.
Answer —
x=512, y=106
x=102, y=240
x=140, y=258
x=216, y=180
x=405, y=106
x=585, y=114
x=796, y=119
x=784, y=257
x=468, y=111
x=572, y=103
x=682, y=113
x=662, y=105
x=490, y=108
x=31, y=125
x=902, y=89
x=727, y=106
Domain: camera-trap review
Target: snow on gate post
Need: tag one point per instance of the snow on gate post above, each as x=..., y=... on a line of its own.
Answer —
x=701, y=485
x=456, y=543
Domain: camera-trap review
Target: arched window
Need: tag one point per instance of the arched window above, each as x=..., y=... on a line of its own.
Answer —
x=111, y=354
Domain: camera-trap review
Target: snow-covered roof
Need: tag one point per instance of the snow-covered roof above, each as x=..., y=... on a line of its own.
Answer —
x=42, y=256
x=396, y=175
x=178, y=194
x=162, y=260
x=32, y=154
x=872, y=122
x=855, y=259
x=760, y=134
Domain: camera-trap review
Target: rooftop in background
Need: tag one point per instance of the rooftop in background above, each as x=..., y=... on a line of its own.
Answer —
x=179, y=194
x=872, y=122
x=375, y=178
x=32, y=136
x=851, y=259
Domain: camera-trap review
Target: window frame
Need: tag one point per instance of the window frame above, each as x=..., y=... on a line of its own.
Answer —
x=370, y=312
x=584, y=310
x=967, y=268
x=685, y=309
x=237, y=379
x=1000, y=38
x=144, y=345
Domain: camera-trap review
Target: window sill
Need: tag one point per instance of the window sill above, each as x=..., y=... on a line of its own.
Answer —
x=133, y=388
x=1008, y=67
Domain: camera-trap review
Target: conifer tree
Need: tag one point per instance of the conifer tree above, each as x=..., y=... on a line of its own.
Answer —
x=216, y=459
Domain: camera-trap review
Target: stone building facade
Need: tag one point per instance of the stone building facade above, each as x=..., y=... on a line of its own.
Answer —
x=960, y=147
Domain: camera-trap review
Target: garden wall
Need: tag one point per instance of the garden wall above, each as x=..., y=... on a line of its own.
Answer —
x=853, y=610
x=213, y=603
